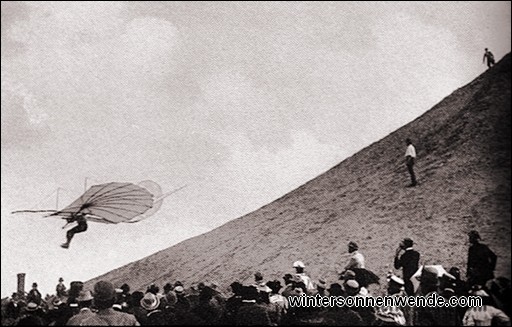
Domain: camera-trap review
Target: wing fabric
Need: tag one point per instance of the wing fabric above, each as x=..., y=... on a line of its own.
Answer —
x=111, y=203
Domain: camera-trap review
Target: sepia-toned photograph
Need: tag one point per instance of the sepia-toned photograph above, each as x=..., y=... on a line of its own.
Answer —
x=255, y=163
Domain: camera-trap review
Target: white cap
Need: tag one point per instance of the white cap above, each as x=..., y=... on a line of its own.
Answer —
x=397, y=280
x=480, y=293
x=298, y=264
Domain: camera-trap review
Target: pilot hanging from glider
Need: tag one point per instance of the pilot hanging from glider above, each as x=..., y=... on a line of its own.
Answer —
x=81, y=226
x=109, y=203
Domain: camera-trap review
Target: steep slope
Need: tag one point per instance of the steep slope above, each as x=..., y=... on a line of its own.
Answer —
x=463, y=166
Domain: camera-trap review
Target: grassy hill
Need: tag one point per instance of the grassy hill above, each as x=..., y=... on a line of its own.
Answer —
x=463, y=166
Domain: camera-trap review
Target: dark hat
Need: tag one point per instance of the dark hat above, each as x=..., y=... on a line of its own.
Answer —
x=429, y=276
x=258, y=276
x=61, y=279
x=34, y=284
x=474, y=234
x=353, y=245
x=335, y=290
x=168, y=287
x=84, y=296
x=178, y=283
x=407, y=242
x=321, y=284
x=274, y=285
x=104, y=291
x=125, y=287
x=249, y=293
x=171, y=298
x=153, y=289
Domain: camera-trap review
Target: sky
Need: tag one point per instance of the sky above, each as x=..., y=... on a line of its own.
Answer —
x=240, y=101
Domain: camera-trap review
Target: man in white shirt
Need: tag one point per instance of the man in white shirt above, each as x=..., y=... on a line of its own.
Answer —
x=299, y=272
x=356, y=258
x=410, y=157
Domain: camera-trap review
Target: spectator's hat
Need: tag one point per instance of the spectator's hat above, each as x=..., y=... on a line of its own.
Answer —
x=179, y=289
x=274, y=285
x=353, y=245
x=249, y=293
x=104, y=291
x=299, y=264
x=397, y=280
x=408, y=242
x=474, y=234
x=168, y=287
x=321, y=284
x=335, y=290
x=353, y=284
x=348, y=274
x=61, y=279
x=258, y=276
x=480, y=293
x=56, y=302
x=150, y=301
x=171, y=298
x=125, y=287
x=84, y=296
x=31, y=306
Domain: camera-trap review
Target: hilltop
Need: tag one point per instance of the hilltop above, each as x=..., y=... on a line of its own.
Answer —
x=463, y=146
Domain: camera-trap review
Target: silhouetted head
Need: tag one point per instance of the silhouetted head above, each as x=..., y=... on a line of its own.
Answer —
x=258, y=277
x=274, y=285
x=486, y=49
x=299, y=266
x=455, y=272
x=352, y=246
x=104, y=295
x=406, y=243
x=474, y=237
x=408, y=141
x=236, y=287
x=336, y=290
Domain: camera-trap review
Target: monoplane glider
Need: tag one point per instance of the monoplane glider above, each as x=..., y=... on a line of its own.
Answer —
x=110, y=203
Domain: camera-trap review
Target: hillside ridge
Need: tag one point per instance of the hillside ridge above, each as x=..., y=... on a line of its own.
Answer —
x=463, y=166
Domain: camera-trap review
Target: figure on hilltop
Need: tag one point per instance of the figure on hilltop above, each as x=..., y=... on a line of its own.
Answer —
x=490, y=58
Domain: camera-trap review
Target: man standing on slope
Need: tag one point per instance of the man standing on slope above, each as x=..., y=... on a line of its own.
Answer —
x=410, y=157
x=481, y=261
x=409, y=261
x=490, y=58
